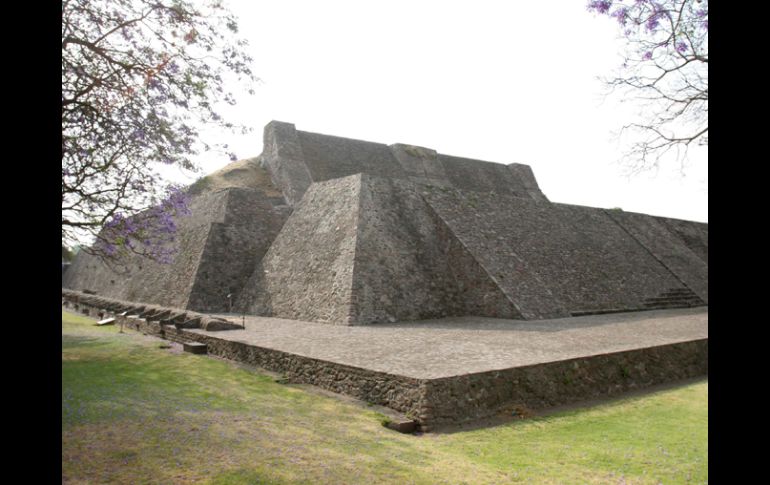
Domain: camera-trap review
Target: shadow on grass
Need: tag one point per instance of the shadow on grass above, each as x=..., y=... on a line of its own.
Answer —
x=72, y=341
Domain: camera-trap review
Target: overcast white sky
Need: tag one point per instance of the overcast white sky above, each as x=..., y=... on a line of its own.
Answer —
x=501, y=81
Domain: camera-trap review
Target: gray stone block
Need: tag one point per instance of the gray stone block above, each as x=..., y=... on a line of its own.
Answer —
x=195, y=347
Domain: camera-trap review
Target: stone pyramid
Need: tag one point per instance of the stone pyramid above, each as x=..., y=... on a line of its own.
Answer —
x=349, y=232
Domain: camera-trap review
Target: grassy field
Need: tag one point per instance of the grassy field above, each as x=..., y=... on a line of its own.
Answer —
x=135, y=413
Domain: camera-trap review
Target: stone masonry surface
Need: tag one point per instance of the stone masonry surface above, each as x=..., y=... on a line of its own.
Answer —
x=408, y=266
x=368, y=233
x=444, y=347
x=298, y=158
x=552, y=259
x=695, y=235
x=218, y=246
x=321, y=230
x=668, y=248
x=457, y=369
x=368, y=249
x=307, y=272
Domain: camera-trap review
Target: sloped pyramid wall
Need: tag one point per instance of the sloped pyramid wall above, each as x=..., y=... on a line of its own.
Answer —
x=410, y=266
x=307, y=274
x=668, y=248
x=146, y=281
x=217, y=248
x=553, y=260
x=694, y=235
x=234, y=246
x=348, y=232
x=365, y=249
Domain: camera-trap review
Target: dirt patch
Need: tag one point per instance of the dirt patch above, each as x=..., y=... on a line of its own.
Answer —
x=244, y=173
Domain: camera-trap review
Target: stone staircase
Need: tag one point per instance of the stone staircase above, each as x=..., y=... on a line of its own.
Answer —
x=603, y=311
x=674, y=298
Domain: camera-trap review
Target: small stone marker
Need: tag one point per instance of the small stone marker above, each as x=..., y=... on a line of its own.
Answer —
x=106, y=321
x=402, y=425
x=195, y=348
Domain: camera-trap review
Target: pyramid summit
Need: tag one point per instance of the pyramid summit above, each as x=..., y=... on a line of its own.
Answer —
x=349, y=232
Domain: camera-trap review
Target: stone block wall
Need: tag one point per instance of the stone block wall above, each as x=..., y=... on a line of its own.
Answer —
x=307, y=272
x=694, y=235
x=143, y=279
x=455, y=399
x=298, y=158
x=460, y=398
x=283, y=157
x=408, y=266
x=233, y=249
x=216, y=250
x=330, y=157
x=478, y=176
x=667, y=247
x=366, y=249
x=388, y=233
x=553, y=259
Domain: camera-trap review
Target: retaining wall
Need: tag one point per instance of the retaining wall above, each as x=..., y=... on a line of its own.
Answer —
x=462, y=398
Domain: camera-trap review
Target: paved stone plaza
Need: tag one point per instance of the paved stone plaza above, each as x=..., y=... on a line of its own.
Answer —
x=454, y=346
x=449, y=370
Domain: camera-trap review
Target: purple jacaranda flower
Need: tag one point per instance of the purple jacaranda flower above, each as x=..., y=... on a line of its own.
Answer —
x=621, y=15
x=600, y=6
x=647, y=56
x=138, y=134
x=681, y=47
x=652, y=22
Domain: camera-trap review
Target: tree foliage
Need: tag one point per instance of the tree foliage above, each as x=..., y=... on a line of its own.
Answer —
x=666, y=66
x=140, y=79
x=67, y=254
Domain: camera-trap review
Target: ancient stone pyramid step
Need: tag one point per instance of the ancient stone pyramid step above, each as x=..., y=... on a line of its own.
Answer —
x=675, y=298
x=218, y=247
x=667, y=247
x=683, y=292
x=365, y=249
x=582, y=313
x=378, y=233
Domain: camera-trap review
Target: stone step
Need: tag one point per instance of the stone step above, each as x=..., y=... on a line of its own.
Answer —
x=195, y=347
x=682, y=295
x=678, y=292
x=652, y=306
x=602, y=311
x=405, y=425
x=655, y=301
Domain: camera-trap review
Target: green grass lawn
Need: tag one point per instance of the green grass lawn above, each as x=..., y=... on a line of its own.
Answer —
x=135, y=413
